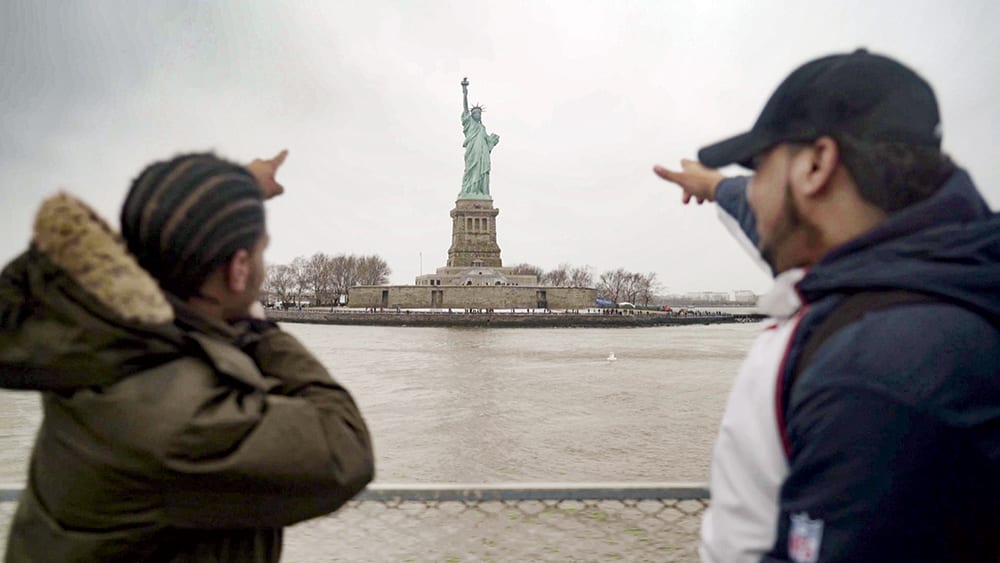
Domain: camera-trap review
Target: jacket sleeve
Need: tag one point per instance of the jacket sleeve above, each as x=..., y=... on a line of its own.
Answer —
x=298, y=451
x=13, y=289
x=731, y=198
x=736, y=215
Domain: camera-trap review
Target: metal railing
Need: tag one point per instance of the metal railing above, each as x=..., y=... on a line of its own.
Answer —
x=496, y=522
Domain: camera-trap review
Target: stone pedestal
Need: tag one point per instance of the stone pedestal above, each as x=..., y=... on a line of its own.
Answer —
x=474, y=234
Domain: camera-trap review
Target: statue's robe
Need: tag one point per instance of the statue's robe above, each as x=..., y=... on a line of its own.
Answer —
x=478, y=144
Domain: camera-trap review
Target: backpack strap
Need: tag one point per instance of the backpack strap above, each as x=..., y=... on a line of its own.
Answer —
x=846, y=312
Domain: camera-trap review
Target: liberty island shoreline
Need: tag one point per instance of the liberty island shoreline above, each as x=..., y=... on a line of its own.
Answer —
x=511, y=318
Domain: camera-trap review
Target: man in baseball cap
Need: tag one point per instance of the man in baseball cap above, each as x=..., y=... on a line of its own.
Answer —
x=863, y=95
x=864, y=424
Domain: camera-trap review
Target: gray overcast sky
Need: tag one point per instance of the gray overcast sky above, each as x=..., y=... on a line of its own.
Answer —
x=586, y=97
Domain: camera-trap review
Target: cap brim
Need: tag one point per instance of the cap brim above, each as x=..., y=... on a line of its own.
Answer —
x=736, y=150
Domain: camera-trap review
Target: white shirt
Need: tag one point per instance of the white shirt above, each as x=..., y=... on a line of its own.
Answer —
x=748, y=460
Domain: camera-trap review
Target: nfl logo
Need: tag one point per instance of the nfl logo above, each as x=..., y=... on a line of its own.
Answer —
x=804, y=538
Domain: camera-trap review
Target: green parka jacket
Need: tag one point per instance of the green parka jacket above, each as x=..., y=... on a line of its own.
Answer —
x=165, y=437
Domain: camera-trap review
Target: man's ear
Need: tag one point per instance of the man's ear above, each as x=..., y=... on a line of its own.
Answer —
x=817, y=165
x=238, y=271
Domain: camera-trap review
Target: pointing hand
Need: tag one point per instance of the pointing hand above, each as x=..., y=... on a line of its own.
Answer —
x=264, y=171
x=697, y=181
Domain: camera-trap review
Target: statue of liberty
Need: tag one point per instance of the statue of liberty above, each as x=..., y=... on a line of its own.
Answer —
x=478, y=144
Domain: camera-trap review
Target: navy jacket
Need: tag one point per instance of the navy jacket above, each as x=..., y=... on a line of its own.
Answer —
x=893, y=430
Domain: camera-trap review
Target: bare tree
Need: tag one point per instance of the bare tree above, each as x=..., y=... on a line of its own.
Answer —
x=373, y=270
x=558, y=277
x=279, y=281
x=344, y=271
x=300, y=279
x=612, y=284
x=267, y=286
x=648, y=288
x=581, y=277
x=324, y=278
x=631, y=287
x=318, y=275
x=621, y=285
x=525, y=269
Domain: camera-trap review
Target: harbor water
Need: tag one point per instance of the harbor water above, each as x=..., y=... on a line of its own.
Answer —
x=499, y=405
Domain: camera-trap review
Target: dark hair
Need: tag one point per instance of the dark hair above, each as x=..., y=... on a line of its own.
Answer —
x=185, y=217
x=892, y=175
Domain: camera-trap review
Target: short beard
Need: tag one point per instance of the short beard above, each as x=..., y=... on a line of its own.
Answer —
x=791, y=224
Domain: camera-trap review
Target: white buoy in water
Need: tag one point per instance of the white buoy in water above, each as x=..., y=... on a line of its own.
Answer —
x=611, y=357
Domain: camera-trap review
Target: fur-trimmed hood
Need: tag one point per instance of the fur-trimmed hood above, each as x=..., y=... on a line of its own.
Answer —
x=76, y=309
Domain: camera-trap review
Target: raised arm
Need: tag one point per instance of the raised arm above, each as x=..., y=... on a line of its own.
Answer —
x=699, y=183
x=465, y=95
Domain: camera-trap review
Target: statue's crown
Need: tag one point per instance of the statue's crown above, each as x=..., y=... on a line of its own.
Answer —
x=479, y=107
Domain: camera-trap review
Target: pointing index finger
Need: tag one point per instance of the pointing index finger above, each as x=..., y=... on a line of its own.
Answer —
x=663, y=173
x=280, y=158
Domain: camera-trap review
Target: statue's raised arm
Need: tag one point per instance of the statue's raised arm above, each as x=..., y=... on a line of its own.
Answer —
x=465, y=95
x=478, y=145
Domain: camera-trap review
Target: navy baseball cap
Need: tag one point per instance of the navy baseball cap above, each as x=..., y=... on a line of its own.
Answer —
x=869, y=97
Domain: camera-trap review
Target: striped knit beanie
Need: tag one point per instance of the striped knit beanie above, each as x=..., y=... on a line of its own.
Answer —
x=185, y=217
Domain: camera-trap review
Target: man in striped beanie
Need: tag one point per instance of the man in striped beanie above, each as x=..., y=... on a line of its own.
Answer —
x=196, y=223
x=178, y=426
